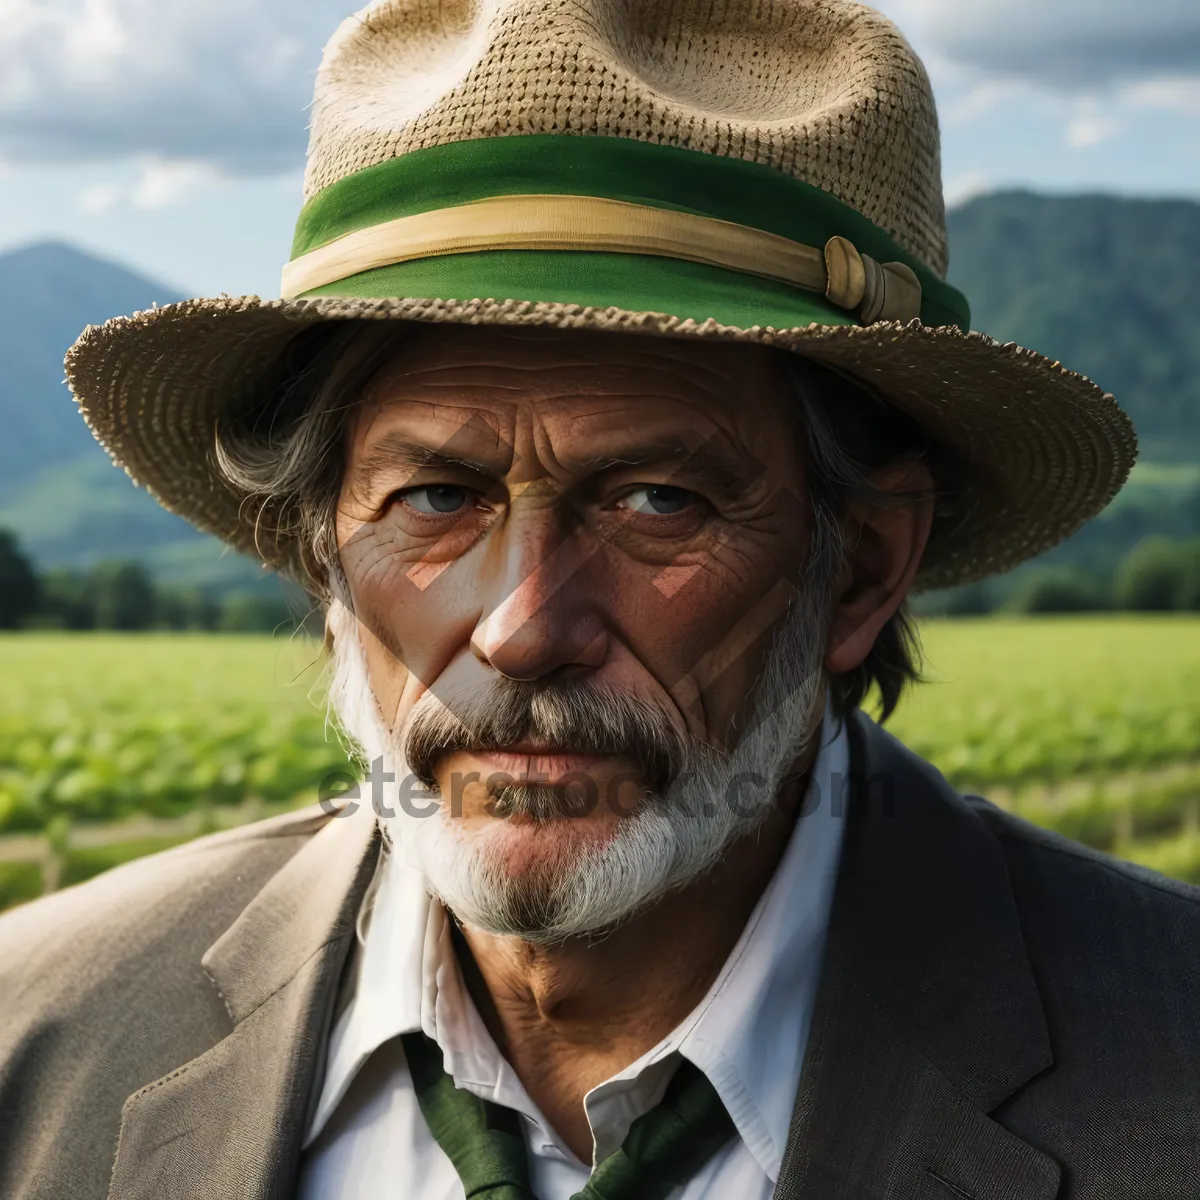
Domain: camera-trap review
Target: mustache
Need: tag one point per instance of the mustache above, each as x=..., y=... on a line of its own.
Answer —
x=580, y=717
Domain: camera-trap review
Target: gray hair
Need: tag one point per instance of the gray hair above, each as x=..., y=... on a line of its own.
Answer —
x=286, y=456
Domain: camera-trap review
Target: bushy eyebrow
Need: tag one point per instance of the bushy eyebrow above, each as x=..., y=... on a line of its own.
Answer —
x=398, y=451
x=704, y=464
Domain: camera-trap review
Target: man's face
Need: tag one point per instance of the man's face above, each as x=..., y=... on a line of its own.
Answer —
x=577, y=512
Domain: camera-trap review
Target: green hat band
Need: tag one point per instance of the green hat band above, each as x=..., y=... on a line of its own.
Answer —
x=605, y=221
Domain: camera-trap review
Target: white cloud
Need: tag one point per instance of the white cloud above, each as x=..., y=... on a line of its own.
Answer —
x=99, y=199
x=1088, y=72
x=966, y=187
x=1090, y=129
x=983, y=97
x=1072, y=44
x=220, y=81
x=1172, y=95
x=160, y=183
x=165, y=183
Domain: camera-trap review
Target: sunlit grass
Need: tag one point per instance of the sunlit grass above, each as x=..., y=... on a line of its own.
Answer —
x=1044, y=700
x=1090, y=725
x=99, y=727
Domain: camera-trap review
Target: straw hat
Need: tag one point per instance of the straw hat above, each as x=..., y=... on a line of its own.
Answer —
x=753, y=170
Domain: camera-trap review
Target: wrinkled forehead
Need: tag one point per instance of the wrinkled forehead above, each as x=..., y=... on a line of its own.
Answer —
x=573, y=392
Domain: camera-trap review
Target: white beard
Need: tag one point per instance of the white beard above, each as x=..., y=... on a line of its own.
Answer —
x=668, y=840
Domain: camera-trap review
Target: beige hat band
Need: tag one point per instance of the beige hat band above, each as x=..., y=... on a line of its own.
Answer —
x=878, y=292
x=558, y=193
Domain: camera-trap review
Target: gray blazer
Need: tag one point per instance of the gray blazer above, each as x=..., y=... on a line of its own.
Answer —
x=1003, y=1015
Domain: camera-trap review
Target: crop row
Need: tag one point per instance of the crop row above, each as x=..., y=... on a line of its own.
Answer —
x=1011, y=703
x=158, y=766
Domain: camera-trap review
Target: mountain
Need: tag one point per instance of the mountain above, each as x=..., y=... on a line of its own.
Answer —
x=1102, y=283
x=48, y=293
x=58, y=489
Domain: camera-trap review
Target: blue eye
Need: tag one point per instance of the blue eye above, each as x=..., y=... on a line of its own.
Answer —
x=659, y=500
x=436, y=500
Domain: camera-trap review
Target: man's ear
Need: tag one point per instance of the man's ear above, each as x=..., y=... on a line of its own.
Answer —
x=884, y=542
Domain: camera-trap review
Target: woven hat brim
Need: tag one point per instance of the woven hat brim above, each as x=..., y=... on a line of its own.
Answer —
x=1041, y=449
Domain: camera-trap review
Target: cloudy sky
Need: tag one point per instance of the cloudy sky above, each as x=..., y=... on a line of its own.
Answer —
x=169, y=134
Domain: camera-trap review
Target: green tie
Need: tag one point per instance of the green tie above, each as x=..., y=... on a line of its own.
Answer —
x=663, y=1149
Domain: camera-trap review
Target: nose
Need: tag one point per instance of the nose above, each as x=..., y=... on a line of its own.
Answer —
x=544, y=610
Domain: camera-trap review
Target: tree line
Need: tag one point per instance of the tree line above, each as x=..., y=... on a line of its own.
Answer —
x=1159, y=574
x=119, y=594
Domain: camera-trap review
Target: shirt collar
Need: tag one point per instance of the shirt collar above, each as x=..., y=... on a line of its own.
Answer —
x=747, y=1035
x=750, y=1032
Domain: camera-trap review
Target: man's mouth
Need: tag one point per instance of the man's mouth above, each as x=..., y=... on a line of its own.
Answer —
x=535, y=763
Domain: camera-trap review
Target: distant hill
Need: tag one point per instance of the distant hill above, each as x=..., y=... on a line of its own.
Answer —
x=1102, y=283
x=58, y=489
x=48, y=293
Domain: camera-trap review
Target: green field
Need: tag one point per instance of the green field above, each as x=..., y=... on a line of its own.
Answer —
x=1087, y=725
x=100, y=727
x=116, y=745
x=1024, y=701
x=112, y=746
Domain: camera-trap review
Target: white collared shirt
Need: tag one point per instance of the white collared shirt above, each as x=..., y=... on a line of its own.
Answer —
x=368, y=1137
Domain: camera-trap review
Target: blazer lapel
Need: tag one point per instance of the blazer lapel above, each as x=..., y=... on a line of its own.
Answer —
x=231, y=1122
x=927, y=1017
x=927, y=1014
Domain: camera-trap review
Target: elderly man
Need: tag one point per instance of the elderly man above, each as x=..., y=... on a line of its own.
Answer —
x=634, y=901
